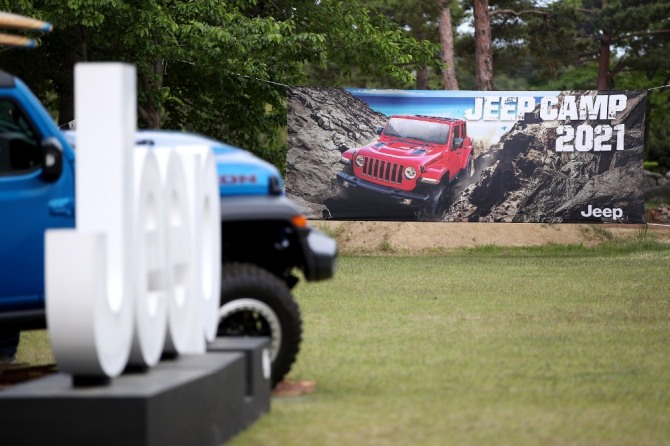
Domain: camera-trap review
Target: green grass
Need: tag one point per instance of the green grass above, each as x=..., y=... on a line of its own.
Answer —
x=551, y=345
x=491, y=346
x=35, y=348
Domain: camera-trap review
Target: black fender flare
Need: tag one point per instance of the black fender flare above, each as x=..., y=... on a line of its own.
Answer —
x=318, y=250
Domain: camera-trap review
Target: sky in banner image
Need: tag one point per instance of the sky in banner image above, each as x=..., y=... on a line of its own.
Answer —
x=503, y=156
x=441, y=103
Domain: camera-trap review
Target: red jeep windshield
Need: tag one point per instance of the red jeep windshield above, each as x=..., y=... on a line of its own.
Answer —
x=432, y=132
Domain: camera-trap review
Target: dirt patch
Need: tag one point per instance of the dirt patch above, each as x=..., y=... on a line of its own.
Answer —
x=419, y=237
x=289, y=388
x=12, y=374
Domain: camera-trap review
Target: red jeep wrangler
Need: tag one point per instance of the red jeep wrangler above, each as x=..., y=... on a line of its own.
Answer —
x=412, y=162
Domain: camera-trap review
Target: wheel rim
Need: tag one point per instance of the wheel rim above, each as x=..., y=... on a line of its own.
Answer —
x=250, y=317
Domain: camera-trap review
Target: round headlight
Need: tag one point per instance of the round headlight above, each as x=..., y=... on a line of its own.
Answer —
x=410, y=173
x=359, y=160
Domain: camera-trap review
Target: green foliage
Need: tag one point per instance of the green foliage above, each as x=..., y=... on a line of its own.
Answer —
x=657, y=148
x=218, y=68
x=559, y=51
x=658, y=137
x=533, y=41
x=579, y=77
x=640, y=33
x=420, y=19
x=210, y=66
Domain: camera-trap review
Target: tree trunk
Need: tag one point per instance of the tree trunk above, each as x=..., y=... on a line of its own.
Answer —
x=483, y=48
x=604, y=61
x=422, y=78
x=150, y=111
x=447, y=42
x=150, y=115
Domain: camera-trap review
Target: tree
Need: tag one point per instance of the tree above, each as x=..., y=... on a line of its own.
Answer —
x=483, y=48
x=520, y=38
x=432, y=20
x=447, y=44
x=414, y=17
x=631, y=27
x=210, y=66
x=627, y=41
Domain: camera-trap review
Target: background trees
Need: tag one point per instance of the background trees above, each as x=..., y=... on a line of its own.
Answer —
x=219, y=67
x=211, y=66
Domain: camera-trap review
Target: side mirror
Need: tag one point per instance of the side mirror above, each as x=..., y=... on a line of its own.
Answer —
x=458, y=143
x=343, y=148
x=379, y=130
x=52, y=159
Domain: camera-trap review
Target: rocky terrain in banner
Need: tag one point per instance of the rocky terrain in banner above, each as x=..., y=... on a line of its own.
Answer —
x=322, y=122
x=522, y=179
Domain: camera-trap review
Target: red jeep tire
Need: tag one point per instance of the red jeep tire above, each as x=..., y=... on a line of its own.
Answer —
x=436, y=205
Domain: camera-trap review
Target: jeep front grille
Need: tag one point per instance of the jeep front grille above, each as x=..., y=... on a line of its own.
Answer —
x=383, y=170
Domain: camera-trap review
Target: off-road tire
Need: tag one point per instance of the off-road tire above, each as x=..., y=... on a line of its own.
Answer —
x=436, y=205
x=254, y=302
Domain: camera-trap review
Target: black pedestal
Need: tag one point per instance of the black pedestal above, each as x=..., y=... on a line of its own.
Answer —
x=258, y=387
x=194, y=400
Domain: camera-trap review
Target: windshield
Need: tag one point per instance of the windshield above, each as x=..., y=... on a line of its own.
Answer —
x=433, y=132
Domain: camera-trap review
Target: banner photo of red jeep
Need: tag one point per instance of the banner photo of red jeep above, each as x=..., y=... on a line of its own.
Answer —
x=455, y=156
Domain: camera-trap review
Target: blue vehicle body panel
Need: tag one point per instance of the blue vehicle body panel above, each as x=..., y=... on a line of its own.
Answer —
x=240, y=172
x=28, y=206
x=31, y=203
x=240, y=175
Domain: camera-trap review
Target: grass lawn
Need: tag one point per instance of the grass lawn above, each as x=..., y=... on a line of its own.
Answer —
x=35, y=349
x=491, y=346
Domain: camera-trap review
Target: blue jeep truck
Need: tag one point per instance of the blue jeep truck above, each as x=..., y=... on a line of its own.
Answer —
x=265, y=238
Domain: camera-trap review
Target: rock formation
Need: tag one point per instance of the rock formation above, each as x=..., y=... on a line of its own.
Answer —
x=322, y=122
x=523, y=179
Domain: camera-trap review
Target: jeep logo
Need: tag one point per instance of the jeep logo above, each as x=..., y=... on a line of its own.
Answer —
x=614, y=213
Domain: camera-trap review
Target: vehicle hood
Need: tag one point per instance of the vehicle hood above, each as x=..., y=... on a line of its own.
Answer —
x=240, y=172
x=405, y=149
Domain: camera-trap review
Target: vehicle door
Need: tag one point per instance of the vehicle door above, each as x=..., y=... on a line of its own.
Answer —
x=30, y=202
x=459, y=151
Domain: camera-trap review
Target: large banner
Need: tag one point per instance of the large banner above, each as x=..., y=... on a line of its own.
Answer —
x=503, y=156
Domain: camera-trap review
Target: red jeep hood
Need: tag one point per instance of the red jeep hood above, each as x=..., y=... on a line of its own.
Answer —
x=403, y=149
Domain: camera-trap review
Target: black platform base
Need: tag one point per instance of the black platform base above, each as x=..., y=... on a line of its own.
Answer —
x=194, y=400
x=258, y=389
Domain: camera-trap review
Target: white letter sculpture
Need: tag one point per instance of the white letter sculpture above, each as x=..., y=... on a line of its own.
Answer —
x=140, y=273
